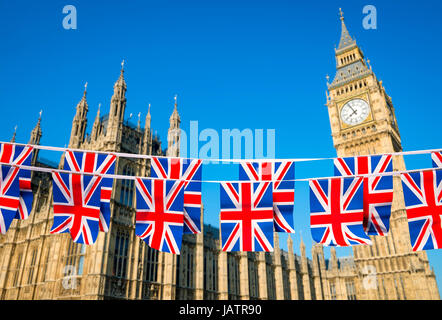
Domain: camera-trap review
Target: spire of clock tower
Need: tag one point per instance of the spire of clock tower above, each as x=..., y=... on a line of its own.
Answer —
x=346, y=41
x=350, y=63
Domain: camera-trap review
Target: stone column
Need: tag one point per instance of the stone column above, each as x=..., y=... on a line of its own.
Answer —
x=199, y=265
x=292, y=270
x=222, y=276
x=169, y=277
x=279, y=285
x=244, y=276
x=262, y=276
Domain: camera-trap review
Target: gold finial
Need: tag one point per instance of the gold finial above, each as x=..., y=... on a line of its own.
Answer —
x=139, y=121
x=368, y=62
x=85, y=90
x=327, y=77
x=148, y=109
x=41, y=111
x=175, y=100
x=122, y=64
x=99, y=106
x=341, y=14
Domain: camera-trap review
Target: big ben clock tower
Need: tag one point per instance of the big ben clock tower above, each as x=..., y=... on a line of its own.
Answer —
x=363, y=122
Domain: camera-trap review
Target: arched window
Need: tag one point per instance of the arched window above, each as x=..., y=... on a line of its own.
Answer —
x=121, y=249
x=74, y=259
x=127, y=187
x=151, y=264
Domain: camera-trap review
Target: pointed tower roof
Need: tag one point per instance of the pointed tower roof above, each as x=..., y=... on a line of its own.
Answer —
x=85, y=91
x=83, y=101
x=121, y=82
x=175, y=115
x=148, y=118
x=346, y=40
x=13, y=135
x=36, y=132
x=97, y=117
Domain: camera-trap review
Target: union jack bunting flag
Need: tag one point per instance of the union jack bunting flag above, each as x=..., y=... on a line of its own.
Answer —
x=20, y=155
x=9, y=196
x=423, y=202
x=378, y=190
x=437, y=159
x=188, y=170
x=283, y=190
x=246, y=216
x=159, y=217
x=76, y=206
x=95, y=163
x=336, y=212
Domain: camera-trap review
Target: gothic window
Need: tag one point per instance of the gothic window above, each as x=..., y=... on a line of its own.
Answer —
x=271, y=290
x=127, y=187
x=151, y=265
x=190, y=264
x=403, y=288
x=32, y=266
x=16, y=271
x=214, y=274
x=332, y=291
x=398, y=296
x=253, y=279
x=75, y=259
x=233, y=272
x=351, y=292
x=121, y=248
x=46, y=264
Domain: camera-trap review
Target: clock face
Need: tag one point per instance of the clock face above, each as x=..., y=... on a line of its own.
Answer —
x=355, y=112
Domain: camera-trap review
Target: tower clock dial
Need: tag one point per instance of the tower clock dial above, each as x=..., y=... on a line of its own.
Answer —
x=355, y=112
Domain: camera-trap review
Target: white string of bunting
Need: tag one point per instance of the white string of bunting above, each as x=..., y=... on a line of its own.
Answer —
x=138, y=156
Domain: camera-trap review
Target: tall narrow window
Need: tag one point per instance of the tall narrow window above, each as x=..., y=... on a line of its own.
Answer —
x=120, y=254
x=332, y=291
x=32, y=266
x=75, y=259
x=127, y=187
x=151, y=265
x=46, y=264
x=17, y=270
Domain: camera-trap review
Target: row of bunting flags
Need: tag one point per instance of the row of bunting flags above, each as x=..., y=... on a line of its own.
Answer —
x=344, y=210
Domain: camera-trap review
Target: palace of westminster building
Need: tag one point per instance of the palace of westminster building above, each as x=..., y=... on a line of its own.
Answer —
x=35, y=264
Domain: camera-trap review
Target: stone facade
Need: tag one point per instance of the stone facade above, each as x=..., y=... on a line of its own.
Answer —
x=35, y=264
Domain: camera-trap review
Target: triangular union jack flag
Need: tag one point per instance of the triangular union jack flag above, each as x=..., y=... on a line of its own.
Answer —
x=437, y=159
x=91, y=162
x=190, y=170
x=378, y=190
x=283, y=176
x=9, y=196
x=336, y=212
x=20, y=155
x=76, y=206
x=423, y=202
x=159, y=217
x=246, y=216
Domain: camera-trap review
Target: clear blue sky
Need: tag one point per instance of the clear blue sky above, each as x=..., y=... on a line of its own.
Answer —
x=234, y=64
